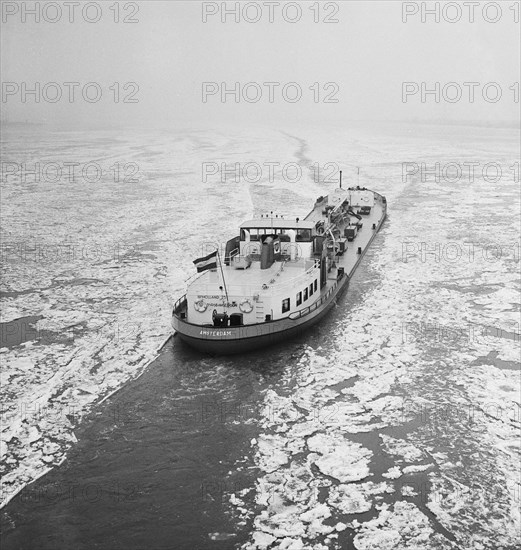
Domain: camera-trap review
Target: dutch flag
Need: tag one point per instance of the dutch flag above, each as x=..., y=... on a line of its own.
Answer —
x=208, y=262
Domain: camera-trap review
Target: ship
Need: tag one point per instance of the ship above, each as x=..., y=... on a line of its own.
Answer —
x=279, y=276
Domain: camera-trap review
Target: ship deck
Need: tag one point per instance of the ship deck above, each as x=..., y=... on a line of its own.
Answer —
x=349, y=260
x=280, y=273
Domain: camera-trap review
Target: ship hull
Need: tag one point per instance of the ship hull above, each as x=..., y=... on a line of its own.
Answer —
x=240, y=339
x=233, y=340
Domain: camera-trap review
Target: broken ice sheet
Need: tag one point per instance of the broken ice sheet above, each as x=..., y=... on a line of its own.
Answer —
x=399, y=526
x=401, y=449
x=349, y=499
x=341, y=458
x=271, y=452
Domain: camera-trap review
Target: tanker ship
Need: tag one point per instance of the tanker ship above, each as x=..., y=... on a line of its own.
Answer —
x=279, y=276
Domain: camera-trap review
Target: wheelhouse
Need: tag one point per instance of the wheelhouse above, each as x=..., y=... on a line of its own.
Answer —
x=295, y=236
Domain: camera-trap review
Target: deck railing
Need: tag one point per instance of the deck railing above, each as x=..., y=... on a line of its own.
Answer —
x=179, y=304
x=315, y=305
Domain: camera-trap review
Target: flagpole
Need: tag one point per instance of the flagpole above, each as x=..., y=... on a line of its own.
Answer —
x=222, y=273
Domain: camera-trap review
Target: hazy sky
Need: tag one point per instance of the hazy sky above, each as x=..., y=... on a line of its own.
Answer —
x=170, y=52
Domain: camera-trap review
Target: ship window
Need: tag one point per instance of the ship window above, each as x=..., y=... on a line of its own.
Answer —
x=254, y=235
x=305, y=294
x=311, y=289
x=315, y=285
x=303, y=235
x=285, y=305
x=299, y=298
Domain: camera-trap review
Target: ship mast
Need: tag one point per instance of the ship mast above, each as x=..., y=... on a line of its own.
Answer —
x=223, y=279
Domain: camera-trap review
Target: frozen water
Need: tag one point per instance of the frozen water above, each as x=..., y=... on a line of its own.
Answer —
x=409, y=385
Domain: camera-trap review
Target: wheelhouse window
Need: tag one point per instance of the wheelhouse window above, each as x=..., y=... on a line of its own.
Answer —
x=311, y=289
x=299, y=298
x=303, y=235
x=257, y=233
x=315, y=284
x=305, y=294
x=285, y=305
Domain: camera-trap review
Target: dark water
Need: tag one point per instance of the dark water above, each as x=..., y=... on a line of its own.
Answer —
x=18, y=331
x=151, y=469
x=155, y=464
